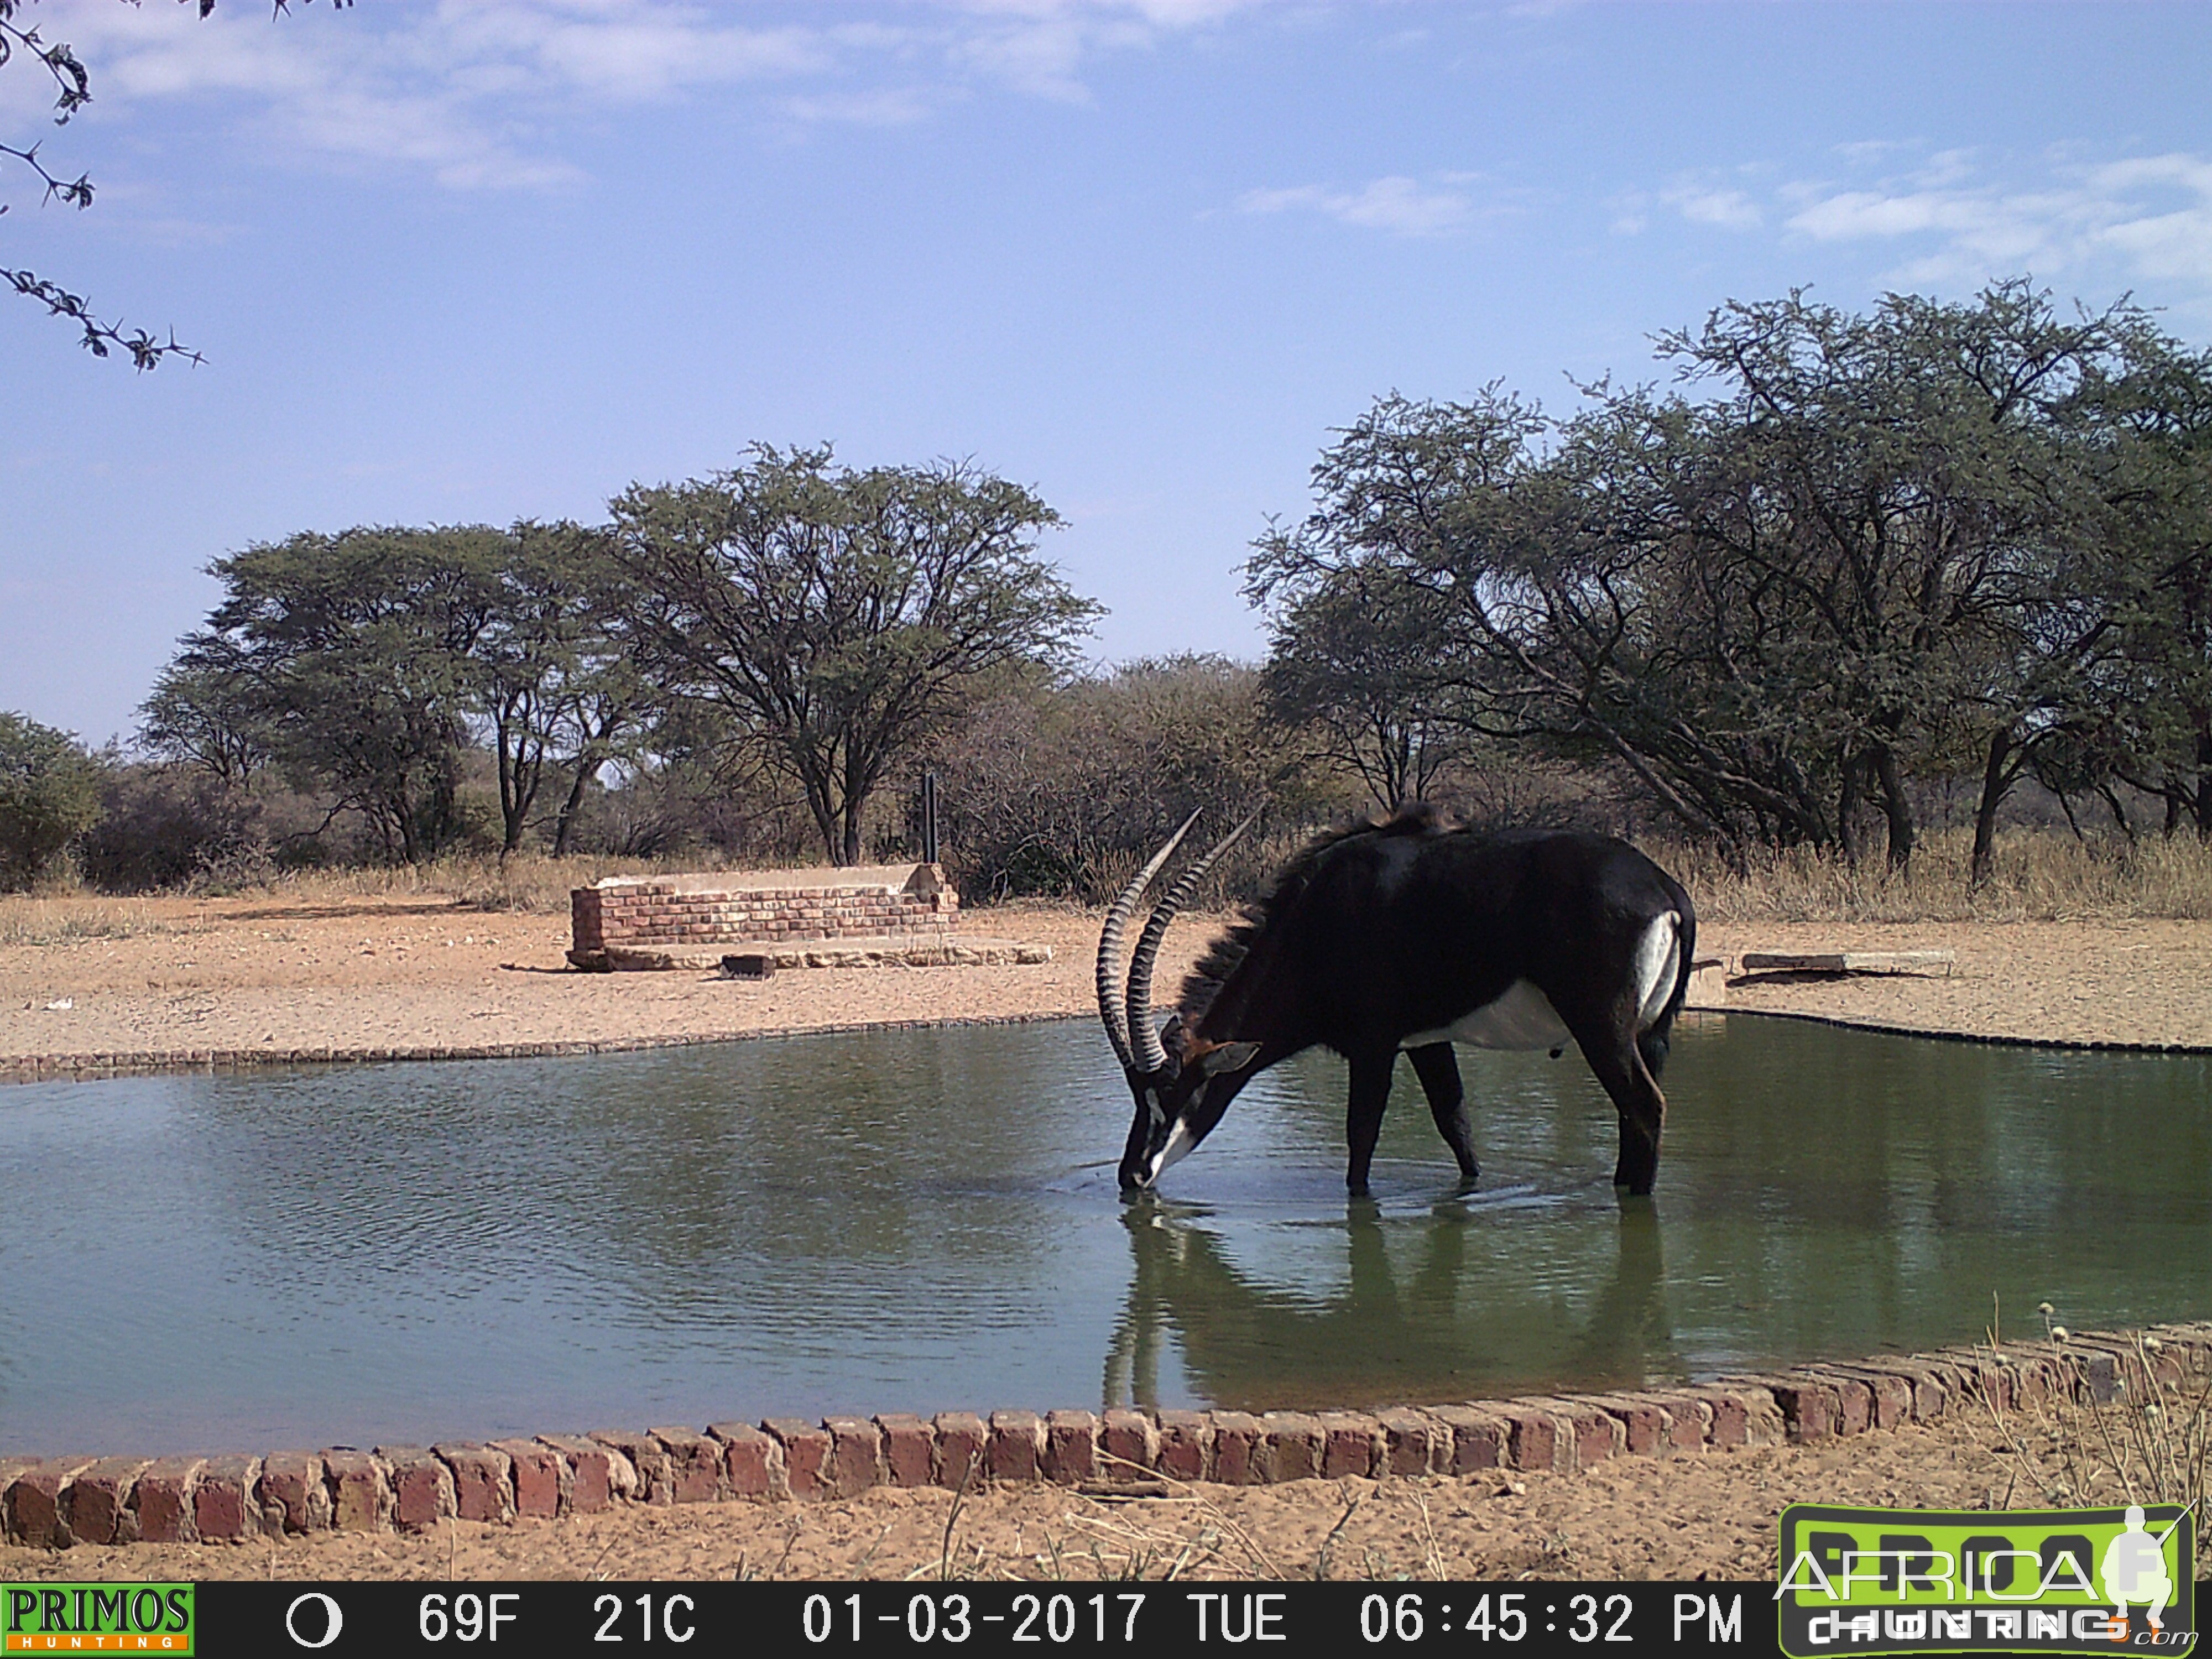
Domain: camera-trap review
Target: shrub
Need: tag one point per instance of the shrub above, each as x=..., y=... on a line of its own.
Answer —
x=49, y=795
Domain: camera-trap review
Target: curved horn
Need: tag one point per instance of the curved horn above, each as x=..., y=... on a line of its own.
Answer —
x=1151, y=1056
x=1110, y=948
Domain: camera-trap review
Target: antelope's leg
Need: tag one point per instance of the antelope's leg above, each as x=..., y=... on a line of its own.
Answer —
x=1363, y=1112
x=1438, y=1067
x=1613, y=1056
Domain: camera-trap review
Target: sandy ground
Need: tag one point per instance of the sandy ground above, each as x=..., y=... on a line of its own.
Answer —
x=380, y=974
x=390, y=973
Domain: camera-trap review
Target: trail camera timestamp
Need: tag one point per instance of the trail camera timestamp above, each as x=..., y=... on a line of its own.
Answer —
x=553, y=1620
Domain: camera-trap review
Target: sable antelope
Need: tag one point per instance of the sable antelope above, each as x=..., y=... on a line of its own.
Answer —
x=1407, y=935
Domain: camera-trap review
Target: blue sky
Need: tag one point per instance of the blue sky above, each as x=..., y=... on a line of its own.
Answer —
x=462, y=262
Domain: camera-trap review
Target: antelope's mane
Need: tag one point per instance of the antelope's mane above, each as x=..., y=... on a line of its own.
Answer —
x=1202, y=986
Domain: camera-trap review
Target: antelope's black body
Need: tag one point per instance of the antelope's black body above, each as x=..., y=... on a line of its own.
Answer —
x=1409, y=936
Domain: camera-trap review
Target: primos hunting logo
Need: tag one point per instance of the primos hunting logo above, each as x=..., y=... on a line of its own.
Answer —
x=2047, y=1581
x=80, y=1619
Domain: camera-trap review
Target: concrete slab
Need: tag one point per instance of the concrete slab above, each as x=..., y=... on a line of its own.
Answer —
x=1848, y=962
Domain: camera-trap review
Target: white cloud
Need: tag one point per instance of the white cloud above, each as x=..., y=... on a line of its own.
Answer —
x=1394, y=203
x=1730, y=210
x=2145, y=217
x=464, y=89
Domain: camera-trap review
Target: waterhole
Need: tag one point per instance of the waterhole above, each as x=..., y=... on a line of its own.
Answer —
x=924, y=1220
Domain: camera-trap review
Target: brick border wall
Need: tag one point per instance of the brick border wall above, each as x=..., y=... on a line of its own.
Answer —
x=1985, y=1039
x=94, y=1068
x=687, y=913
x=56, y=1501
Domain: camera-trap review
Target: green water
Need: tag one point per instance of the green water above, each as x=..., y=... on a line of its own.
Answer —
x=924, y=1220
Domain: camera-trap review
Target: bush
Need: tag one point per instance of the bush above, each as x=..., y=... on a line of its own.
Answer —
x=166, y=825
x=49, y=796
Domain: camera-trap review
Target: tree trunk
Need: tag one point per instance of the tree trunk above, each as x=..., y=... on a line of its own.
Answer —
x=1997, y=782
x=2118, y=811
x=1897, y=809
x=2204, y=785
x=1847, y=811
x=852, y=847
x=587, y=769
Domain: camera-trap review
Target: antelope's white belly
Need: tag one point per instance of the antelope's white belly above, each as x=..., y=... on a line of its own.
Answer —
x=1522, y=1018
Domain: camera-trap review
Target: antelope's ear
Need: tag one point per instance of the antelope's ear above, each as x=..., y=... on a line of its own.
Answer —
x=1226, y=1057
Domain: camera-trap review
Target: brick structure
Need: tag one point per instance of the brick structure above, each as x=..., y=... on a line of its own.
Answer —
x=54, y=1502
x=628, y=921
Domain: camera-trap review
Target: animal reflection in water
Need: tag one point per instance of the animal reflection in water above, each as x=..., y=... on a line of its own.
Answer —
x=1442, y=1320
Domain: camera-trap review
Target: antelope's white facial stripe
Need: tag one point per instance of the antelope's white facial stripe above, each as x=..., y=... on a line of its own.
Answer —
x=1177, y=1149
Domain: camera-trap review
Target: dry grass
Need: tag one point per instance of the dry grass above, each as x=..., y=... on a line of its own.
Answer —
x=2040, y=876
x=62, y=918
x=2150, y=1443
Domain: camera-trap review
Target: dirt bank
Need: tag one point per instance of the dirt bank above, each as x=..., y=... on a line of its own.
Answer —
x=178, y=974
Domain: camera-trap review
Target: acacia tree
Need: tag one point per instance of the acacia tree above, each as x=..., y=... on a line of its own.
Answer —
x=206, y=711
x=1874, y=553
x=2149, y=723
x=553, y=682
x=1353, y=668
x=839, y=617
x=357, y=648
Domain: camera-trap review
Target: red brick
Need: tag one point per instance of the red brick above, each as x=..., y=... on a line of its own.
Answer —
x=591, y=1485
x=99, y=1501
x=1070, y=1446
x=1744, y=1414
x=224, y=1504
x=1981, y=1374
x=1888, y=1399
x=961, y=1439
x=1536, y=1438
x=539, y=1474
x=1349, y=1442
x=1643, y=1425
x=361, y=1496
x=652, y=1472
x=164, y=1501
x=1128, y=1443
x=1686, y=1420
x=1015, y=1447
x=1186, y=1446
x=35, y=1514
x=1410, y=1442
x=1809, y=1406
x=856, y=1455
x=694, y=1464
x=806, y=1451
x=292, y=1492
x=1238, y=1443
x=481, y=1492
x=1598, y=1434
x=1293, y=1440
x=1469, y=1438
x=421, y=1487
x=752, y=1463
x=1854, y=1401
x=1923, y=1389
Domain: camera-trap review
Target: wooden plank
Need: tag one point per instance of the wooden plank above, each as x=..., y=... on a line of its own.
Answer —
x=1847, y=962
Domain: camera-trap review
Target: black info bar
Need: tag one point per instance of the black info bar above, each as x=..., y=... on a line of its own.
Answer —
x=676, y=1619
